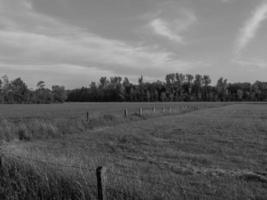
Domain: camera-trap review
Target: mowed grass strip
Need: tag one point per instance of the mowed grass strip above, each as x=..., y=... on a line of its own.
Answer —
x=218, y=153
x=27, y=122
x=78, y=110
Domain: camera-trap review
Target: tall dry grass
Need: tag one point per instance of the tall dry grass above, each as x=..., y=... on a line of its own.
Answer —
x=208, y=154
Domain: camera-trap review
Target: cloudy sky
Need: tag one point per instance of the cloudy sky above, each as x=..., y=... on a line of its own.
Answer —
x=73, y=42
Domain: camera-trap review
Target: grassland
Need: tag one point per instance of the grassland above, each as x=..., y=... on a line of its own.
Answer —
x=25, y=122
x=199, y=151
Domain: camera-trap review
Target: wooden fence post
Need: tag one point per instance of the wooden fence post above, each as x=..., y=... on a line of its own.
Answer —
x=101, y=183
x=125, y=112
x=154, y=109
x=140, y=111
x=87, y=116
x=163, y=109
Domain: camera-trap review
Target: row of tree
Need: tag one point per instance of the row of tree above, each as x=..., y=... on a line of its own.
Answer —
x=16, y=91
x=176, y=87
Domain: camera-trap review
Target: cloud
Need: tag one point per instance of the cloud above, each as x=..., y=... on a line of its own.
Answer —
x=252, y=63
x=172, y=28
x=28, y=38
x=225, y=1
x=248, y=32
x=69, y=75
x=83, y=50
x=161, y=28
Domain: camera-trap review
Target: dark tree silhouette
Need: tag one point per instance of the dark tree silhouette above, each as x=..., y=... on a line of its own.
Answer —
x=177, y=87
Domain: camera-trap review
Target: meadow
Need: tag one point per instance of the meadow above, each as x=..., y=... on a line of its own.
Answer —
x=193, y=151
x=27, y=121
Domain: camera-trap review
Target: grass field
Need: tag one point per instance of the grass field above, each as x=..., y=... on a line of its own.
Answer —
x=77, y=110
x=198, y=151
x=45, y=121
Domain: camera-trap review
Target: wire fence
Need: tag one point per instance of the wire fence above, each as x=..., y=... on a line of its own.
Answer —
x=157, y=109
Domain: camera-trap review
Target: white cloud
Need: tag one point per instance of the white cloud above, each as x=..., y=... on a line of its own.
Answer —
x=252, y=63
x=172, y=29
x=82, y=50
x=161, y=27
x=248, y=32
x=225, y=1
x=30, y=38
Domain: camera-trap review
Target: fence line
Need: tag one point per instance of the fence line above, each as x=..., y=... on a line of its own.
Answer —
x=162, y=108
x=152, y=110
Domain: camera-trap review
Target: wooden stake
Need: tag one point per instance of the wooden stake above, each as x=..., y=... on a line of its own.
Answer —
x=101, y=183
x=154, y=109
x=140, y=111
x=125, y=112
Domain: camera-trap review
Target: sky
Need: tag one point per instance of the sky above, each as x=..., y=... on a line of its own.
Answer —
x=74, y=42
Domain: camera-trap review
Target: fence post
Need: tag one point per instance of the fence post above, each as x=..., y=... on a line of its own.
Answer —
x=101, y=183
x=170, y=109
x=140, y=111
x=125, y=112
x=87, y=116
x=163, y=109
x=154, y=109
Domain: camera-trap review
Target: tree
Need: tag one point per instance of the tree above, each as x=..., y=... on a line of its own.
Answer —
x=141, y=92
x=103, y=82
x=260, y=90
x=222, y=90
x=188, y=86
x=6, y=91
x=59, y=93
x=256, y=90
x=170, y=86
x=179, y=86
x=206, y=81
x=240, y=94
x=198, y=86
x=40, y=85
x=5, y=81
x=115, y=89
x=93, y=92
x=19, y=91
x=126, y=89
x=42, y=95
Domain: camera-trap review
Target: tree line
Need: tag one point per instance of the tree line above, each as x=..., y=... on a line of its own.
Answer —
x=176, y=87
x=16, y=91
